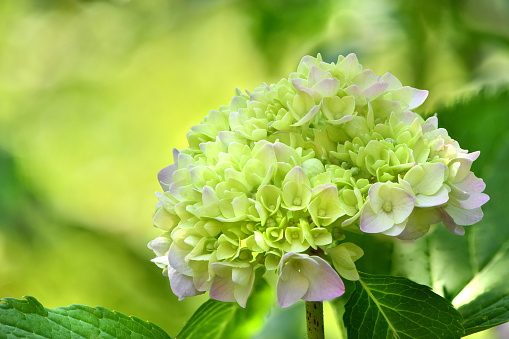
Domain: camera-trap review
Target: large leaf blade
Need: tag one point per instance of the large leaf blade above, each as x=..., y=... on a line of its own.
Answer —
x=395, y=307
x=29, y=319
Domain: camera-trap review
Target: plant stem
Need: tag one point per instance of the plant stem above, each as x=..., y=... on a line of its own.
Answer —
x=314, y=319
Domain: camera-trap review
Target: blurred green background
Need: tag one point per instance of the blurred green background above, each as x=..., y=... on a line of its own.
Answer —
x=95, y=94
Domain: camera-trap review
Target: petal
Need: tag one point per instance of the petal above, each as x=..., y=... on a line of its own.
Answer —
x=165, y=176
x=160, y=245
x=429, y=180
x=418, y=98
x=375, y=90
x=402, y=204
x=374, y=199
x=372, y=222
x=176, y=258
x=181, y=285
x=459, y=168
x=310, y=115
x=222, y=289
x=316, y=74
x=413, y=231
x=342, y=120
x=341, y=258
x=365, y=79
x=327, y=87
x=393, y=82
x=396, y=229
x=242, y=293
x=353, y=90
x=471, y=184
x=349, y=66
x=464, y=217
x=451, y=225
x=474, y=201
x=289, y=291
x=437, y=199
x=324, y=285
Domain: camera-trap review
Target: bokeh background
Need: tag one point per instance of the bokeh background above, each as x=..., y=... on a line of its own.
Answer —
x=95, y=94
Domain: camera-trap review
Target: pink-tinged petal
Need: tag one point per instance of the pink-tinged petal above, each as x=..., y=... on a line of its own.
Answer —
x=375, y=90
x=471, y=156
x=175, y=153
x=353, y=90
x=372, y=222
x=324, y=285
x=437, y=199
x=418, y=98
x=430, y=124
x=233, y=282
x=316, y=74
x=310, y=115
x=471, y=184
x=306, y=62
x=289, y=291
x=393, y=82
x=407, y=117
x=402, y=204
x=464, y=217
x=202, y=279
x=165, y=176
x=396, y=229
x=475, y=200
x=300, y=85
x=181, y=285
x=222, y=289
x=176, y=258
x=327, y=87
x=341, y=121
x=451, y=225
x=365, y=79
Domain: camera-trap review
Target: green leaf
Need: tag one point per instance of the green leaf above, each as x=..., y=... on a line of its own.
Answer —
x=386, y=307
x=29, y=319
x=223, y=320
x=488, y=310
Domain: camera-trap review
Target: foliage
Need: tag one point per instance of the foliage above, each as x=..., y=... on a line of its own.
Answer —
x=385, y=306
x=29, y=319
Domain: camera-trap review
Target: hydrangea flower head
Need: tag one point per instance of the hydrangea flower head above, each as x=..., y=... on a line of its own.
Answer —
x=273, y=178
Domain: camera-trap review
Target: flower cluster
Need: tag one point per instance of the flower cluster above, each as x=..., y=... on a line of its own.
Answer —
x=274, y=178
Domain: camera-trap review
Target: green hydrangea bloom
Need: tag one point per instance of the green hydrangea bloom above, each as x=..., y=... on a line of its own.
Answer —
x=273, y=178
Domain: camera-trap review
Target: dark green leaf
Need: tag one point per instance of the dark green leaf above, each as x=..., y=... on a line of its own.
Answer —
x=487, y=310
x=29, y=319
x=394, y=307
x=221, y=320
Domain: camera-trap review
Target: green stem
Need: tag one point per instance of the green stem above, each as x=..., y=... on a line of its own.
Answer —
x=314, y=319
